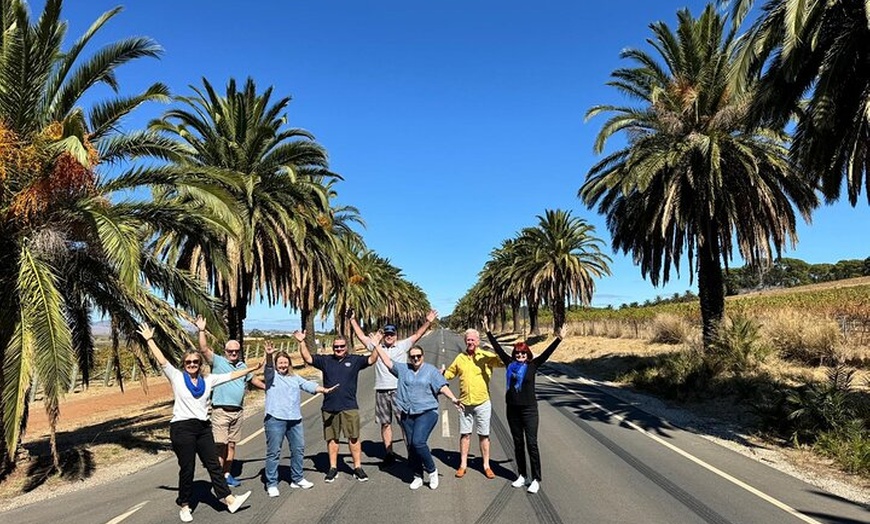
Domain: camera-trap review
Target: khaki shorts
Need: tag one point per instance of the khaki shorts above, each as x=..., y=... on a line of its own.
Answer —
x=226, y=424
x=476, y=418
x=341, y=422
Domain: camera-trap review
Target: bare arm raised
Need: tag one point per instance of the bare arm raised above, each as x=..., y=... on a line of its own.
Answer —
x=303, y=348
x=203, y=343
x=147, y=333
x=430, y=317
x=360, y=334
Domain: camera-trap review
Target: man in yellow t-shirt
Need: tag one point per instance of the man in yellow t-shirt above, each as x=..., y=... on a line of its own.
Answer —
x=474, y=369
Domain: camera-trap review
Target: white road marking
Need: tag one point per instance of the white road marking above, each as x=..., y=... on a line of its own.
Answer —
x=260, y=431
x=737, y=482
x=445, y=424
x=129, y=512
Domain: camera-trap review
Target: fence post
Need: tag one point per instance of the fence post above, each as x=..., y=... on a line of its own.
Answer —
x=107, y=376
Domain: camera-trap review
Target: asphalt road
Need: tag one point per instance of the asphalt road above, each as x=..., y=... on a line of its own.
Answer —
x=603, y=462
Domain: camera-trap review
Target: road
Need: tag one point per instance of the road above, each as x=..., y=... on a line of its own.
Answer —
x=604, y=461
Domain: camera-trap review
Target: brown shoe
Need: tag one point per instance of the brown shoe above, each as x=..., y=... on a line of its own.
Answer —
x=489, y=474
x=460, y=473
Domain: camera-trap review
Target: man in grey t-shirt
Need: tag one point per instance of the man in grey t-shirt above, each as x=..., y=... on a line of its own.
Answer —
x=385, y=383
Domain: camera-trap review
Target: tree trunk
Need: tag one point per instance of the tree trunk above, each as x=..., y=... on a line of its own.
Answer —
x=308, y=326
x=558, y=313
x=711, y=290
x=533, y=319
x=515, y=315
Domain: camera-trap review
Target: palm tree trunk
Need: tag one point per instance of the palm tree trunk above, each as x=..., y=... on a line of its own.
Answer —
x=533, y=319
x=515, y=315
x=711, y=289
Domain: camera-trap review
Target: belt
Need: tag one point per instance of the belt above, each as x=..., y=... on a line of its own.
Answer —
x=228, y=408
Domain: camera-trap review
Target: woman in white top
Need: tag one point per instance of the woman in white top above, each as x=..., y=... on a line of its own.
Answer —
x=190, y=428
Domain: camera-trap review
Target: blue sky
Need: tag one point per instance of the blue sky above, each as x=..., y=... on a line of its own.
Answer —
x=454, y=123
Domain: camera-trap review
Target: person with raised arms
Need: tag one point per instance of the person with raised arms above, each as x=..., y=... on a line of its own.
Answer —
x=190, y=428
x=340, y=410
x=522, y=403
x=418, y=387
x=283, y=418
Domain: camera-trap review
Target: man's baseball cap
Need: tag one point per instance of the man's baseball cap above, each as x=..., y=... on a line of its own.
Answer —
x=389, y=329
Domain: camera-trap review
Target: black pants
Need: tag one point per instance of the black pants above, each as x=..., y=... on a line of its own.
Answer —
x=191, y=438
x=523, y=421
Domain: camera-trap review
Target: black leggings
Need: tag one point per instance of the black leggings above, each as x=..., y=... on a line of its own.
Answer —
x=191, y=438
x=523, y=421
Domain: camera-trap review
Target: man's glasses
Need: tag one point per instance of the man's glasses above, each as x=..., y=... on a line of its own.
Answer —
x=415, y=357
x=339, y=346
x=232, y=351
x=191, y=362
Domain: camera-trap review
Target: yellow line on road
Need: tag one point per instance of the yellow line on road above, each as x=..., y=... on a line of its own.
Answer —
x=737, y=482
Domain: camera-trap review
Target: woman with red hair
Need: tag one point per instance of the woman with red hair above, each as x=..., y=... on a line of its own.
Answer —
x=522, y=404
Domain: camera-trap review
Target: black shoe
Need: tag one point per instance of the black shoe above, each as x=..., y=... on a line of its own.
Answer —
x=330, y=475
x=360, y=475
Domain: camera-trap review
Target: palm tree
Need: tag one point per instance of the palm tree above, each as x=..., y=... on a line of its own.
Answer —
x=69, y=247
x=694, y=178
x=274, y=174
x=565, y=259
x=821, y=47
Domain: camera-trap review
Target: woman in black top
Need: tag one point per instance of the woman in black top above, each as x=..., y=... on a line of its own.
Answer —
x=522, y=404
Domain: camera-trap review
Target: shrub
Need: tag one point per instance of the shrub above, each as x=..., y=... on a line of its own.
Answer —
x=673, y=375
x=849, y=446
x=738, y=347
x=670, y=329
x=808, y=339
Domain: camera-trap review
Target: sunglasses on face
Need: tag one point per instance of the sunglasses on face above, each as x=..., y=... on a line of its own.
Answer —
x=191, y=362
x=521, y=354
x=339, y=346
x=415, y=357
x=232, y=352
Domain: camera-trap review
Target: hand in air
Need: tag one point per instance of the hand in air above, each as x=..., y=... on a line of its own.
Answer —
x=146, y=331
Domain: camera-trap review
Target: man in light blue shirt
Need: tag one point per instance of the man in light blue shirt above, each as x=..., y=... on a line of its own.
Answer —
x=227, y=400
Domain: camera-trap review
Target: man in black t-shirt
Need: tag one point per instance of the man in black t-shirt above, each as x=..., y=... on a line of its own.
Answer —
x=340, y=410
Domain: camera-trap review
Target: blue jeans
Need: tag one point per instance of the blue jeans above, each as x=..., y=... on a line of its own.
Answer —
x=276, y=430
x=417, y=430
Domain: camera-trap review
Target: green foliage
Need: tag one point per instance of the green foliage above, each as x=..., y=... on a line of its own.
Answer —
x=849, y=446
x=738, y=347
x=790, y=272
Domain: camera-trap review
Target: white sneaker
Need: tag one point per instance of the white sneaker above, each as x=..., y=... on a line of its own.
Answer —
x=273, y=491
x=302, y=484
x=534, y=487
x=433, y=480
x=238, y=500
x=416, y=483
x=184, y=514
x=519, y=482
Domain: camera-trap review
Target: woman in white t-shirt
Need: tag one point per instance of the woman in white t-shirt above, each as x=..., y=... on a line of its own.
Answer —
x=190, y=428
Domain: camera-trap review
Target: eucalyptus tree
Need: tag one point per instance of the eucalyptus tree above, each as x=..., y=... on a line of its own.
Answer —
x=819, y=48
x=695, y=178
x=70, y=246
x=239, y=141
x=565, y=259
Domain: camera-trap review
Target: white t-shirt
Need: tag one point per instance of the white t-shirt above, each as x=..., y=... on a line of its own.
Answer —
x=186, y=407
x=399, y=354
